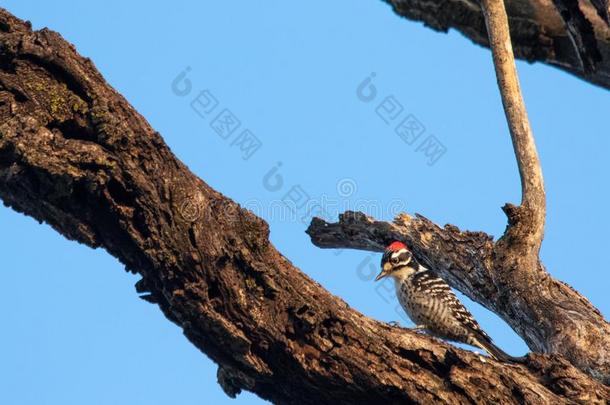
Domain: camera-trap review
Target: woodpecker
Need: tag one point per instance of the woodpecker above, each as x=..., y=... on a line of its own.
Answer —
x=430, y=303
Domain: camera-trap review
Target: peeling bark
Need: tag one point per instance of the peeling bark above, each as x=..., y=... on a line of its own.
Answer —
x=580, y=32
x=76, y=155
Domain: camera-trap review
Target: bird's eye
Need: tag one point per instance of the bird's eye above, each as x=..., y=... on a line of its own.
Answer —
x=395, y=260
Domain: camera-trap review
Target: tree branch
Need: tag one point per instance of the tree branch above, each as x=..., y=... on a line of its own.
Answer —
x=577, y=42
x=523, y=236
x=552, y=317
x=76, y=155
x=532, y=184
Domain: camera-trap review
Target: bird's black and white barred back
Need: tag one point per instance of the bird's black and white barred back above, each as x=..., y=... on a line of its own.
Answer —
x=430, y=302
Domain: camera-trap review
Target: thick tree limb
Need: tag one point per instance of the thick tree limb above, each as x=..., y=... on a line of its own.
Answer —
x=577, y=40
x=75, y=154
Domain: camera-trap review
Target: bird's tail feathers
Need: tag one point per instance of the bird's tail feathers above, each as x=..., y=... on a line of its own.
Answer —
x=497, y=353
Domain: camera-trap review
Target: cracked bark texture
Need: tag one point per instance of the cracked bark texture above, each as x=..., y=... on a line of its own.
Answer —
x=76, y=155
x=572, y=35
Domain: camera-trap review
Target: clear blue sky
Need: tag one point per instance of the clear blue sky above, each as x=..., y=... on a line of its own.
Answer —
x=73, y=328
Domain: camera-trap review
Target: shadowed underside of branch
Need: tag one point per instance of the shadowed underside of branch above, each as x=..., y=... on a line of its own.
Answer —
x=76, y=155
x=571, y=35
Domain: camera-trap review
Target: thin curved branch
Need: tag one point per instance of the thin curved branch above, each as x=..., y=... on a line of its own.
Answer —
x=75, y=154
x=532, y=184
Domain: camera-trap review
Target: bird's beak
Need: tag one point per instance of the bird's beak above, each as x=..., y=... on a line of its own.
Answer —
x=385, y=270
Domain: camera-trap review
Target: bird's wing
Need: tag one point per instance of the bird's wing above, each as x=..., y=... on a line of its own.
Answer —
x=440, y=290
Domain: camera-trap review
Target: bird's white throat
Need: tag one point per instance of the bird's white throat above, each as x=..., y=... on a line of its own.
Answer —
x=402, y=273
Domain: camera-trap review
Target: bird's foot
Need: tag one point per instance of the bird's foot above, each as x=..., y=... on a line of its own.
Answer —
x=482, y=358
x=420, y=329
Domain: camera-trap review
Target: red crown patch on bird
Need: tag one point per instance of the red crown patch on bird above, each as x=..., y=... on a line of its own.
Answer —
x=396, y=245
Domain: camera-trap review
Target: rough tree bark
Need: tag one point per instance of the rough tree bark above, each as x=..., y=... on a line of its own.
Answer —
x=76, y=155
x=573, y=35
